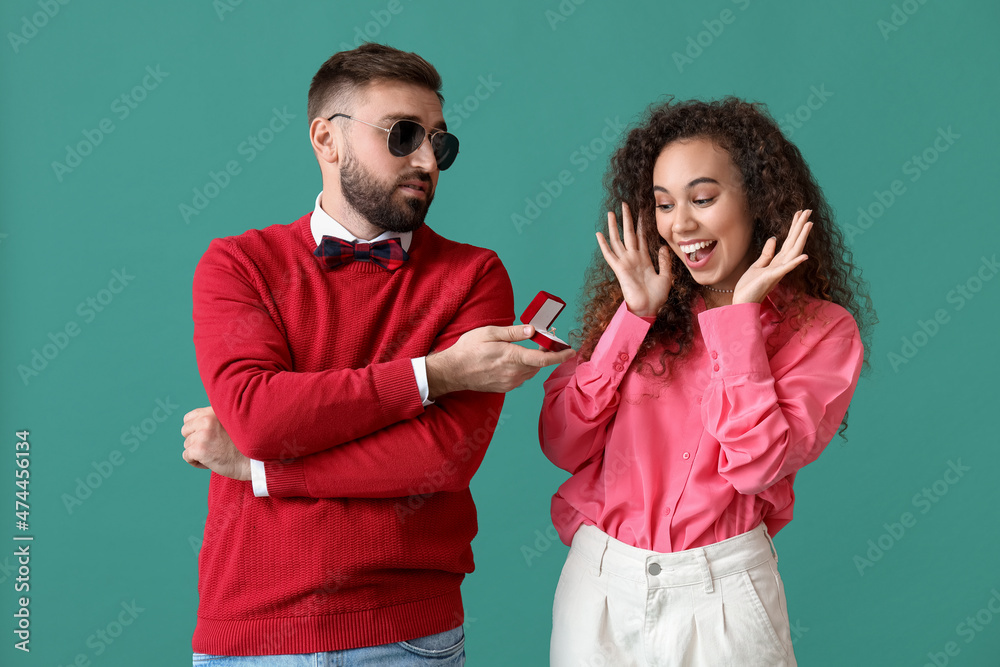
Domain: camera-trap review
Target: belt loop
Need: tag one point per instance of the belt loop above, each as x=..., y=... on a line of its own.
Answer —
x=706, y=570
x=605, y=538
x=774, y=551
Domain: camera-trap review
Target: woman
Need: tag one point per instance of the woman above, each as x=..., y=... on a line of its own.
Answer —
x=719, y=352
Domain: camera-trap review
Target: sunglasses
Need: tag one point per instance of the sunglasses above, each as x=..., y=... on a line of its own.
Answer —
x=406, y=136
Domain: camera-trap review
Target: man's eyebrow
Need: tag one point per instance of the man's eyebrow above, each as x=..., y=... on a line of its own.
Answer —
x=390, y=118
x=702, y=179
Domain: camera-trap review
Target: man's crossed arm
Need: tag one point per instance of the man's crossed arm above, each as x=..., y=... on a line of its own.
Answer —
x=482, y=360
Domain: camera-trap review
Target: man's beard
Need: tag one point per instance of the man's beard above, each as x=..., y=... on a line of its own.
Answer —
x=374, y=199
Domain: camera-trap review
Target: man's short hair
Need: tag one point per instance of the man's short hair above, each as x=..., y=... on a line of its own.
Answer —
x=334, y=86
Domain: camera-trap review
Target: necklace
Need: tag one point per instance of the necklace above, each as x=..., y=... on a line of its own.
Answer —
x=717, y=290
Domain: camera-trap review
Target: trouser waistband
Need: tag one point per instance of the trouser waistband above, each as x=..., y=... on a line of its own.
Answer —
x=699, y=565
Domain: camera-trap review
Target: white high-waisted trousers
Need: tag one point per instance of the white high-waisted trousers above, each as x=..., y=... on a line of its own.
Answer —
x=717, y=606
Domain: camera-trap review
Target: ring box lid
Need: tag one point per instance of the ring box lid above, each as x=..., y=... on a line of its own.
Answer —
x=541, y=313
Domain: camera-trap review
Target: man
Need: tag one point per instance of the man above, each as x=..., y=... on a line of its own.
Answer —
x=360, y=385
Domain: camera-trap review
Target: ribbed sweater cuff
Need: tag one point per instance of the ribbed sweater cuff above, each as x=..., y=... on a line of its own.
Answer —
x=285, y=480
x=396, y=385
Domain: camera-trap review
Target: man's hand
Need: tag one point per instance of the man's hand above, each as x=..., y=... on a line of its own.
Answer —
x=485, y=359
x=207, y=445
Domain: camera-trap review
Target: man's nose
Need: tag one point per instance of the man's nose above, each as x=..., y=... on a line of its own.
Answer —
x=423, y=157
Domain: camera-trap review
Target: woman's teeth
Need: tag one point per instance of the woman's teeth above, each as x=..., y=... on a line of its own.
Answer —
x=692, y=249
x=688, y=249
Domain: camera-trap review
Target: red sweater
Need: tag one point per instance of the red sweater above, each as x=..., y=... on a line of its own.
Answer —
x=309, y=370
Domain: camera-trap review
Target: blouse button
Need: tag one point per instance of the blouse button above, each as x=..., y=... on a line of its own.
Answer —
x=666, y=512
x=618, y=367
x=623, y=356
x=686, y=456
x=715, y=367
x=715, y=355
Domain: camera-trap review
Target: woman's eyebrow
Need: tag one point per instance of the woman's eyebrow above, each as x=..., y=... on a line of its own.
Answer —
x=702, y=179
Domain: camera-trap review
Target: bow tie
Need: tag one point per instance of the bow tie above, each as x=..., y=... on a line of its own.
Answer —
x=388, y=253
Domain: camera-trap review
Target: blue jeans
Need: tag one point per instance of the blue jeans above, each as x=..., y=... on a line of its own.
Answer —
x=445, y=649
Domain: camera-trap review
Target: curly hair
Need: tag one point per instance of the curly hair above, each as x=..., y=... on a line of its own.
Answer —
x=777, y=183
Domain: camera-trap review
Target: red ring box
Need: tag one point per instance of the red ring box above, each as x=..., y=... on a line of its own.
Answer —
x=541, y=313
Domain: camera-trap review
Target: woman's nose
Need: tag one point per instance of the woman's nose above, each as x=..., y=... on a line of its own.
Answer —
x=683, y=222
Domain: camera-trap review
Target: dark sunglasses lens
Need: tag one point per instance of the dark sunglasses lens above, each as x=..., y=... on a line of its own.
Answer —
x=445, y=149
x=405, y=136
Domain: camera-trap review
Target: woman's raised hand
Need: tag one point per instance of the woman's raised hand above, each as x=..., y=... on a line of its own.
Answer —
x=644, y=288
x=767, y=271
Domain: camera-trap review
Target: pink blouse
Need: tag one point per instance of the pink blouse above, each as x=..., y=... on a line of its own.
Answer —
x=712, y=452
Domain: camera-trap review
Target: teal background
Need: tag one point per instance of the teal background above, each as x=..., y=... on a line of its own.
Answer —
x=134, y=538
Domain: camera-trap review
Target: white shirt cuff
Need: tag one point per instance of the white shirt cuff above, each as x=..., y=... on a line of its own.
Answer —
x=420, y=371
x=259, y=478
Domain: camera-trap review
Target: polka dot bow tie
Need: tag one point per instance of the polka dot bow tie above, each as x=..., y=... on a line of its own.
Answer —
x=388, y=253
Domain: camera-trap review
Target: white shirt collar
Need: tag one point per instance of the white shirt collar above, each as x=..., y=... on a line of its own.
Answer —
x=321, y=224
